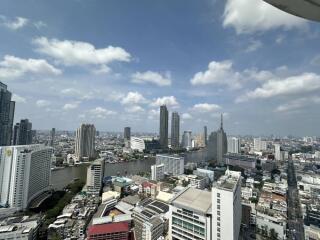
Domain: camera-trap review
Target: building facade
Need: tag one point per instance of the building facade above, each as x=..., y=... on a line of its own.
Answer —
x=163, y=127
x=22, y=134
x=94, y=176
x=85, y=141
x=157, y=172
x=233, y=145
x=175, y=131
x=187, y=140
x=137, y=144
x=173, y=164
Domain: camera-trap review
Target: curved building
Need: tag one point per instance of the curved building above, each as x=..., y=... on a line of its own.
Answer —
x=137, y=144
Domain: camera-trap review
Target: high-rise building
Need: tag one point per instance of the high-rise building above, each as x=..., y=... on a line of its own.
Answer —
x=53, y=135
x=94, y=176
x=259, y=145
x=164, y=127
x=226, y=206
x=217, y=145
x=24, y=174
x=6, y=115
x=233, y=145
x=137, y=144
x=157, y=172
x=187, y=139
x=277, y=152
x=175, y=131
x=22, y=134
x=85, y=141
x=173, y=164
x=205, y=135
x=127, y=133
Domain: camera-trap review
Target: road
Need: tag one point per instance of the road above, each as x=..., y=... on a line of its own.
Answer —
x=295, y=219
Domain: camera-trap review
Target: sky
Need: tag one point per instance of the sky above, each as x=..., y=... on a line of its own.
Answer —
x=113, y=63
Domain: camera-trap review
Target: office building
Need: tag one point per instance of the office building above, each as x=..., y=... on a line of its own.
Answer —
x=94, y=177
x=191, y=215
x=205, y=135
x=277, y=152
x=187, y=140
x=24, y=174
x=6, y=115
x=163, y=127
x=53, y=135
x=175, y=131
x=22, y=134
x=226, y=206
x=137, y=144
x=217, y=145
x=243, y=161
x=173, y=164
x=127, y=133
x=233, y=145
x=157, y=172
x=259, y=145
x=85, y=142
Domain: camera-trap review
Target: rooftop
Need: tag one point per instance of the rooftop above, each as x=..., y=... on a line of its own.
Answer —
x=108, y=228
x=228, y=181
x=194, y=199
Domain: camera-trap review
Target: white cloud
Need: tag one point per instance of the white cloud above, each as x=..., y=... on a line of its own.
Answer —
x=220, y=73
x=293, y=85
x=133, y=98
x=205, y=107
x=39, y=24
x=280, y=39
x=169, y=101
x=186, y=116
x=13, y=67
x=153, y=114
x=73, y=53
x=18, y=99
x=297, y=104
x=100, y=112
x=134, y=109
x=253, y=46
x=103, y=69
x=152, y=77
x=72, y=105
x=256, y=15
x=43, y=103
x=17, y=23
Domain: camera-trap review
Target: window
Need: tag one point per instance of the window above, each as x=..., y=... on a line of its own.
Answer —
x=218, y=207
x=218, y=195
x=218, y=201
x=218, y=213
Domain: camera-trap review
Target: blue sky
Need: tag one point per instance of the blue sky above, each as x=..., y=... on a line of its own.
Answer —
x=112, y=63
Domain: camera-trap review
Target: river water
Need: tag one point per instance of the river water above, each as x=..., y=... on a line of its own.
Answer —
x=62, y=177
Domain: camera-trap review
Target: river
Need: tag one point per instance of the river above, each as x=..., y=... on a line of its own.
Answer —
x=62, y=177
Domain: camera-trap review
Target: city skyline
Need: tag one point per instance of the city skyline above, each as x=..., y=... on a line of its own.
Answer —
x=205, y=65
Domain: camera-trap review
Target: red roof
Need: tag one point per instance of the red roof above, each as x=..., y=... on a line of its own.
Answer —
x=147, y=184
x=108, y=228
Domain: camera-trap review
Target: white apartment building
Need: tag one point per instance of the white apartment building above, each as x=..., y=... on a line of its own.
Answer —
x=137, y=144
x=94, y=176
x=157, y=172
x=259, y=145
x=197, y=181
x=233, y=145
x=191, y=215
x=226, y=206
x=173, y=164
x=277, y=152
x=25, y=173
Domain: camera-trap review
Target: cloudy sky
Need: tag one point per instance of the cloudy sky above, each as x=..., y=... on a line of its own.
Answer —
x=113, y=63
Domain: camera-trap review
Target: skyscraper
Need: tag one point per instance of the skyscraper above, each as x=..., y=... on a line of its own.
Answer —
x=22, y=134
x=233, y=145
x=24, y=174
x=217, y=145
x=187, y=140
x=6, y=115
x=164, y=127
x=85, y=141
x=127, y=133
x=175, y=130
x=95, y=176
x=205, y=135
x=53, y=134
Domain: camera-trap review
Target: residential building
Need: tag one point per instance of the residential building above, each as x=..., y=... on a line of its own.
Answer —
x=137, y=144
x=94, y=176
x=226, y=206
x=187, y=140
x=7, y=108
x=163, y=127
x=173, y=164
x=259, y=145
x=85, y=141
x=204, y=173
x=157, y=172
x=233, y=145
x=110, y=231
x=197, y=181
x=23, y=133
x=24, y=174
x=175, y=131
x=277, y=152
x=191, y=215
x=243, y=161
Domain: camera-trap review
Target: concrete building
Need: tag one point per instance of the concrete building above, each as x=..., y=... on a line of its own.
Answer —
x=25, y=173
x=259, y=145
x=53, y=135
x=163, y=132
x=217, y=145
x=157, y=172
x=277, y=152
x=94, y=177
x=191, y=215
x=137, y=144
x=7, y=108
x=204, y=173
x=173, y=164
x=243, y=161
x=110, y=231
x=197, y=181
x=127, y=137
x=22, y=134
x=205, y=135
x=85, y=141
x=233, y=145
x=226, y=206
x=175, y=131
x=187, y=140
